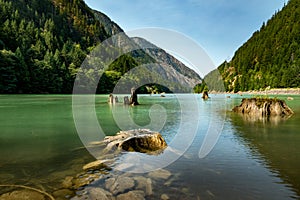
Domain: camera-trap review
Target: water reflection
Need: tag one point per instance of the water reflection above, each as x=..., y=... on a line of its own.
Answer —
x=276, y=140
x=273, y=120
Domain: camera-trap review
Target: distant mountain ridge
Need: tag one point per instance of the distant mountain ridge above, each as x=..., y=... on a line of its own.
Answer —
x=170, y=66
x=44, y=42
x=270, y=58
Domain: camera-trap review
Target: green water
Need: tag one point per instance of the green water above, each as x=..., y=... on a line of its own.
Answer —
x=39, y=146
x=38, y=140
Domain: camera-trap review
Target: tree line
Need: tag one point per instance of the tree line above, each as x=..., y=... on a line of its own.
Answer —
x=270, y=58
x=43, y=43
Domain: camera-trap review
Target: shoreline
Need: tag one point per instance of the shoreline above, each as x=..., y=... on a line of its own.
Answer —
x=274, y=91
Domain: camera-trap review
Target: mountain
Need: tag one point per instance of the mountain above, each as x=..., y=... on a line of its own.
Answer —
x=44, y=42
x=270, y=58
x=168, y=66
x=111, y=27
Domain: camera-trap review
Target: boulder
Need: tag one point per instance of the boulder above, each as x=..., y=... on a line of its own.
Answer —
x=140, y=140
x=264, y=107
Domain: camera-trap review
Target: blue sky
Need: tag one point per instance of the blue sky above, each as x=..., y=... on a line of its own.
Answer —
x=220, y=27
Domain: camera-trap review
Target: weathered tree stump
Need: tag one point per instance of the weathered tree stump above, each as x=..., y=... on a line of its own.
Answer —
x=116, y=99
x=126, y=100
x=111, y=99
x=264, y=107
x=139, y=140
x=205, y=95
x=133, y=98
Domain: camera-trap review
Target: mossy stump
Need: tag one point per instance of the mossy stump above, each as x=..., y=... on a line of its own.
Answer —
x=264, y=107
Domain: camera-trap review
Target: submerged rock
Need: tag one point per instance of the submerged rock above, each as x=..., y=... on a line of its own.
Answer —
x=160, y=174
x=95, y=193
x=63, y=194
x=98, y=164
x=82, y=181
x=67, y=182
x=99, y=193
x=144, y=184
x=164, y=197
x=119, y=185
x=263, y=107
x=132, y=195
x=140, y=140
x=23, y=195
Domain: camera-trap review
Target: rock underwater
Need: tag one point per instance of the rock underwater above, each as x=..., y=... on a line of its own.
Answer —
x=98, y=182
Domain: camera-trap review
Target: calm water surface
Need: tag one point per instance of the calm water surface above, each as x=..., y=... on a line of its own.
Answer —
x=253, y=159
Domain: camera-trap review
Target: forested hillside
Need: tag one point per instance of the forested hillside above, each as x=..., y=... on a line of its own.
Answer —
x=44, y=42
x=270, y=58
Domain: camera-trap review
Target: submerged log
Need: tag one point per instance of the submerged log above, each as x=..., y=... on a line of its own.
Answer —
x=264, y=107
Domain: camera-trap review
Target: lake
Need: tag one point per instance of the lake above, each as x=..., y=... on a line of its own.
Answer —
x=252, y=158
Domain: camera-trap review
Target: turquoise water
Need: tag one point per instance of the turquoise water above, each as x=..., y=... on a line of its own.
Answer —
x=252, y=159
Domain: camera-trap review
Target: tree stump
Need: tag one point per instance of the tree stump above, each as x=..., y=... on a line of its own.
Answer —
x=116, y=99
x=264, y=107
x=133, y=98
x=205, y=95
x=111, y=99
x=126, y=100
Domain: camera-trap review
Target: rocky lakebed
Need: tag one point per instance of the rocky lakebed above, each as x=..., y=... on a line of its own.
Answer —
x=98, y=179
